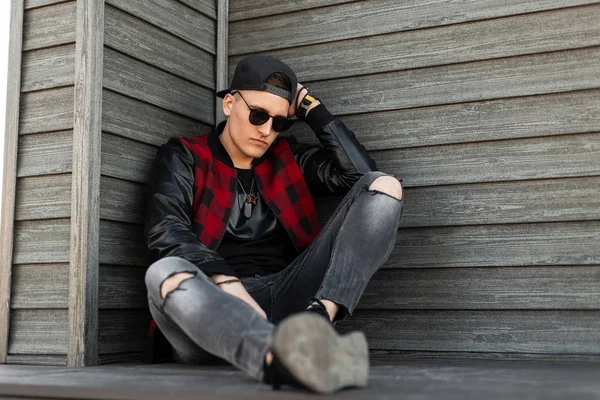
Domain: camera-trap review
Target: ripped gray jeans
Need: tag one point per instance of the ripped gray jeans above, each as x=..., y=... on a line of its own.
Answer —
x=201, y=321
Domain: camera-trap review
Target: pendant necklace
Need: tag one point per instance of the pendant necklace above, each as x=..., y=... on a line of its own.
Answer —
x=250, y=200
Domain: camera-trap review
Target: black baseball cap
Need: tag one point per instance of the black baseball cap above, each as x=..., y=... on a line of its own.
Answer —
x=252, y=72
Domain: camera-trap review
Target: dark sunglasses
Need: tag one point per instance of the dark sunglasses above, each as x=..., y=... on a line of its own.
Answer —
x=259, y=117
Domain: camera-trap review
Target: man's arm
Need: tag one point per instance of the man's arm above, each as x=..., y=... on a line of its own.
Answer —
x=339, y=162
x=168, y=217
x=168, y=223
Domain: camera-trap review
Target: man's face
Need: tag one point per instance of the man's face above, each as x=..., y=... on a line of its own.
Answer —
x=243, y=140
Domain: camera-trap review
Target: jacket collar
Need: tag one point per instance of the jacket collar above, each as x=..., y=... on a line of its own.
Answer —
x=219, y=151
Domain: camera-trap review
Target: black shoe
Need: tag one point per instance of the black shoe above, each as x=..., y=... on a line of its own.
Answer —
x=308, y=353
x=316, y=306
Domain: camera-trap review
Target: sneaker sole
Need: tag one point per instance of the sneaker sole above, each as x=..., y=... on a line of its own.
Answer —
x=319, y=357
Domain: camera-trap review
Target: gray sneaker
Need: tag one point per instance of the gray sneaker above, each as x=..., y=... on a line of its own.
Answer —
x=309, y=353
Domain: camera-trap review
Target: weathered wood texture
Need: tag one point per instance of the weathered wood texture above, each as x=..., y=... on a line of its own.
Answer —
x=509, y=118
x=389, y=375
x=504, y=37
x=44, y=164
x=39, y=286
x=45, y=331
x=552, y=332
x=150, y=44
x=368, y=18
x=49, y=26
x=47, y=110
x=9, y=170
x=488, y=113
x=159, y=81
x=29, y=4
x=221, y=80
x=175, y=18
x=85, y=194
x=240, y=10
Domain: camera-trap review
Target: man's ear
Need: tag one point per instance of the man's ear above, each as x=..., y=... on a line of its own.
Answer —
x=227, y=104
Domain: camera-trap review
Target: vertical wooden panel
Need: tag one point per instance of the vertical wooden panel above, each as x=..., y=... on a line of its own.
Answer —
x=222, y=57
x=85, y=213
x=10, y=169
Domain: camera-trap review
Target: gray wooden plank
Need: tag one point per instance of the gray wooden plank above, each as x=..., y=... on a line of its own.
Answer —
x=47, y=110
x=122, y=331
x=39, y=286
x=571, y=199
x=45, y=241
x=45, y=153
x=519, y=117
x=119, y=358
x=556, y=243
x=425, y=379
x=37, y=359
x=175, y=18
x=559, y=243
x=482, y=80
x=82, y=346
x=49, y=26
x=246, y=9
x=46, y=286
x=221, y=55
x=156, y=47
x=121, y=116
x=549, y=332
x=43, y=197
x=504, y=37
x=41, y=3
x=38, y=332
x=518, y=288
x=9, y=169
x=133, y=78
x=122, y=287
x=125, y=159
x=368, y=18
x=48, y=68
x=122, y=244
x=206, y=7
x=379, y=357
x=538, y=158
x=121, y=200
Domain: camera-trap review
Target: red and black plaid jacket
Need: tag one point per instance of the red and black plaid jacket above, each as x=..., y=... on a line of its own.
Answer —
x=193, y=183
x=279, y=180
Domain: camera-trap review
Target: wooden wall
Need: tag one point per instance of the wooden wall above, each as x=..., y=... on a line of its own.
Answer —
x=42, y=209
x=489, y=113
x=157, y=79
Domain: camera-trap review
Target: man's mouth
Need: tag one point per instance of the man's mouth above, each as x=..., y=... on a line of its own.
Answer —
x=260, y=142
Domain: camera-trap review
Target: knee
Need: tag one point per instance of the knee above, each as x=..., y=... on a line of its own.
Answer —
x=166, y=274
x=172, y=282
x=388, y=184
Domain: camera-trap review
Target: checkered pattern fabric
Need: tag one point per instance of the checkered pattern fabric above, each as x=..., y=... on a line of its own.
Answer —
x=280, y=182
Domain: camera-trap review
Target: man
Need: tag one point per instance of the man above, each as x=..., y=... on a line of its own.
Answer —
x=245, y=272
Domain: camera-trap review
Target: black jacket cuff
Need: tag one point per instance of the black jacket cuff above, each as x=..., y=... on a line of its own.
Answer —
x=318, y=117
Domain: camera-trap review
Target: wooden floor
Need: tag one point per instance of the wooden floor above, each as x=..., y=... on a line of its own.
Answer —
x=389, y=379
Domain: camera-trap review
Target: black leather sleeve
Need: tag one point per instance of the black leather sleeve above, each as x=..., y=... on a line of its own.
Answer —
x=338, y=163
x=168, y=214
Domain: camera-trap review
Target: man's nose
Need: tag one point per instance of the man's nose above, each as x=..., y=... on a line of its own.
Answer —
x=267, y=128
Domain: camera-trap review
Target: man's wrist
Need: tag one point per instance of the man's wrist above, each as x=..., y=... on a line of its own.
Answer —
x=301, y=95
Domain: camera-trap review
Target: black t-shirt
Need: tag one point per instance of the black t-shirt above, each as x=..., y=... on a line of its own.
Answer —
x=258, y=245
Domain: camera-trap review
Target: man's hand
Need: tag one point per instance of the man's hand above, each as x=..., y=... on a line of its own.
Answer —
x=238, y=290
x=300, y=93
